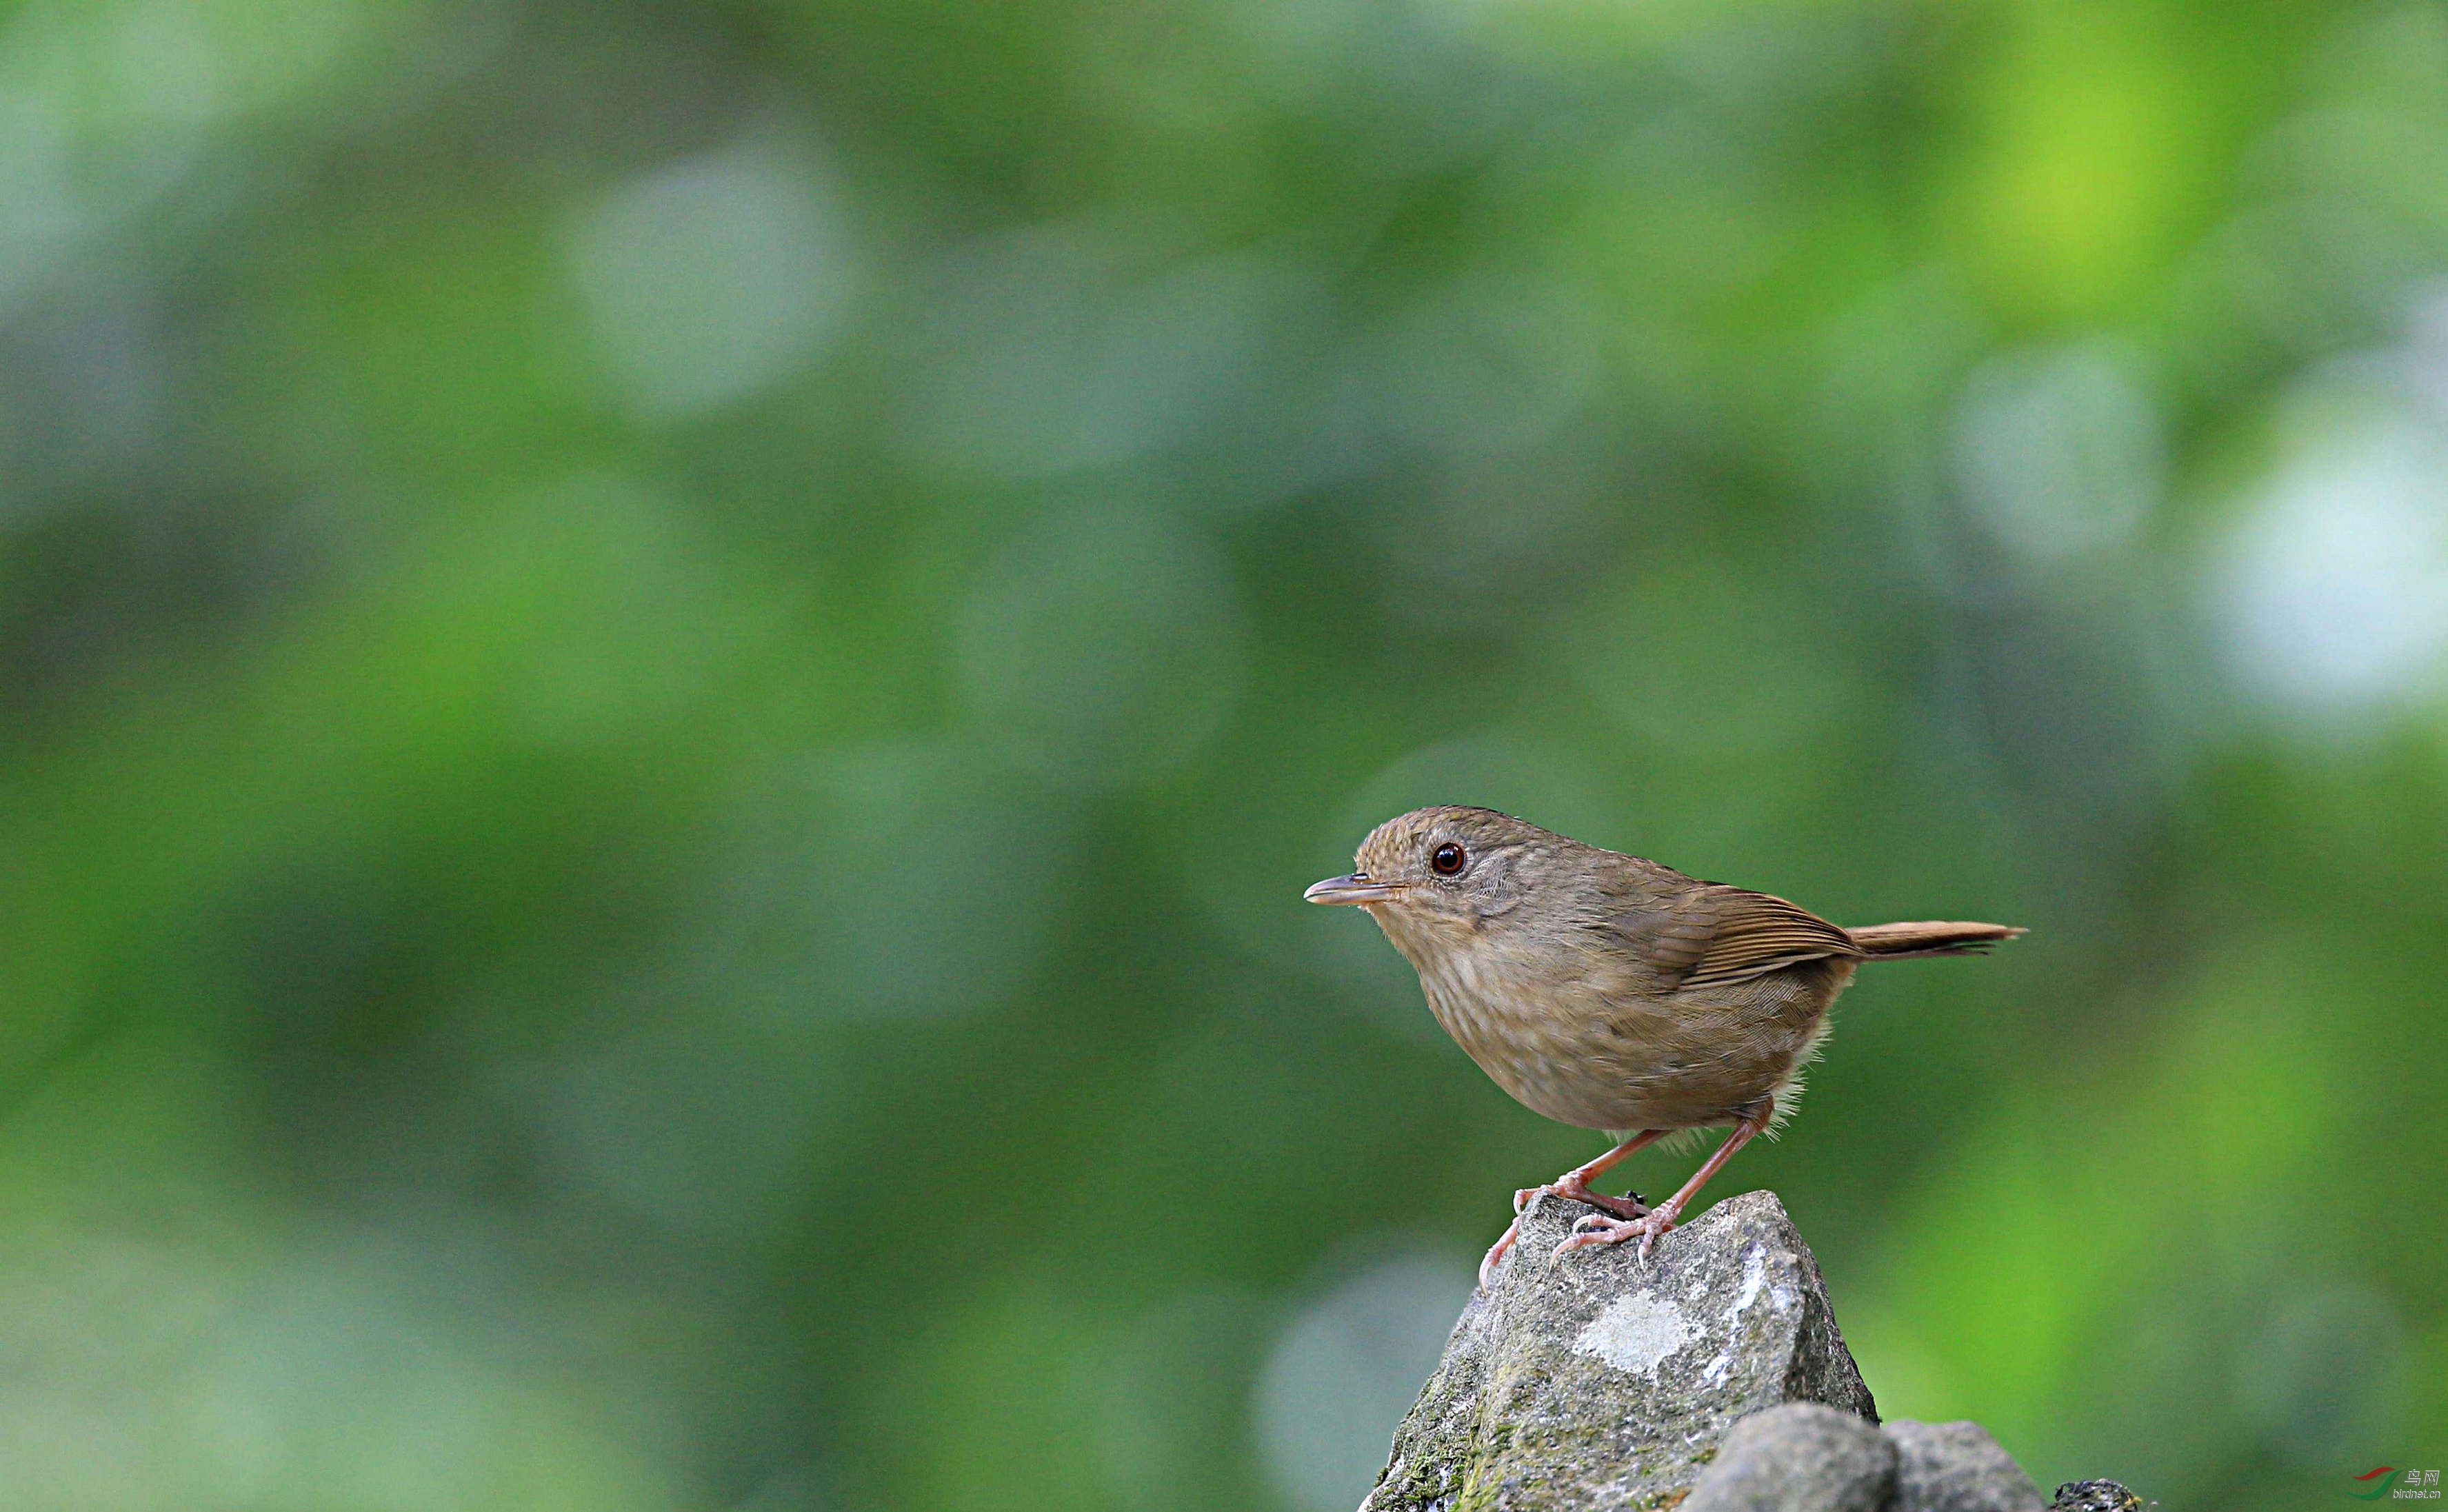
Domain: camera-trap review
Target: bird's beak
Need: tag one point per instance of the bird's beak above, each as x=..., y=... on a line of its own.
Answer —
x=1354, y=888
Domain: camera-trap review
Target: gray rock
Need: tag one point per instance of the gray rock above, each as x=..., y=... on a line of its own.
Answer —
x=1801, y=1457
x=1603, y=1382
x=2094, y=1496
x=1958, y=1467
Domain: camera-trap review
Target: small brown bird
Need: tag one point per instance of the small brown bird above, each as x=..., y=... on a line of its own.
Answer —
x=1614, y=993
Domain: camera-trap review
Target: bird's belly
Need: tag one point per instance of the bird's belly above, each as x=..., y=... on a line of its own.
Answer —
x=1675, y=1061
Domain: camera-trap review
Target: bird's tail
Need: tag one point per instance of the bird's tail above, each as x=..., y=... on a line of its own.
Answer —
x=1902, y=942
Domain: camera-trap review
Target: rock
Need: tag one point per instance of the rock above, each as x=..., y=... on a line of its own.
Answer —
x=1801, y=1457
x=2094, y=1496
x=1603, y=1382
x=1958, y=1467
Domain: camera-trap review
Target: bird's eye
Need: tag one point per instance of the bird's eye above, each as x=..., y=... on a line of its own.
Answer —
x=1447, y=860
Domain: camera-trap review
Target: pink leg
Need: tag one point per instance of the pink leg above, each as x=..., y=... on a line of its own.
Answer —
x=1574, y=1183
x=1595, y=1229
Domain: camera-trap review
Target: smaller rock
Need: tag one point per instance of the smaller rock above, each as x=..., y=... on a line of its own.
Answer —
x=2094, y=1496
x=1800, y=1457
x=1958, y=1467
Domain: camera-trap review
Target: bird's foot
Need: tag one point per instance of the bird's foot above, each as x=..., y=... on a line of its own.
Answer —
x=1596, y=1229
x=1569, y=1185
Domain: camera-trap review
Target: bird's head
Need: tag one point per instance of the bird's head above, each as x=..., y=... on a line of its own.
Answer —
x=1446, y=872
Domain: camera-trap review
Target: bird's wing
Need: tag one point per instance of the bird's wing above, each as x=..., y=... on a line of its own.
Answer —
x=1716, y=933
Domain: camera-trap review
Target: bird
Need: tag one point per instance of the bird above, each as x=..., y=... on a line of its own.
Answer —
x=1614, y=993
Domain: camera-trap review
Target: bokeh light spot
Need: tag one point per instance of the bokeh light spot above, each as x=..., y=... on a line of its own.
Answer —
x=709, y=279
x=2058, y=451
x=1345, y=1370
x=2334, y=590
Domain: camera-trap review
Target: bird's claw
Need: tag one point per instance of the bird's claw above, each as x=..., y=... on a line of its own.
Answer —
x=1596, y=1228
x=1495, y=1253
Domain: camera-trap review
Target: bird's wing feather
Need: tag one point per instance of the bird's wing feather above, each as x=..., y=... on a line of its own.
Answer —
x=1716, y=933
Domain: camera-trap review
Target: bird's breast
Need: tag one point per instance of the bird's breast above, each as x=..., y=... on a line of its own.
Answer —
x=1539, y=1037
x=1607, y=1050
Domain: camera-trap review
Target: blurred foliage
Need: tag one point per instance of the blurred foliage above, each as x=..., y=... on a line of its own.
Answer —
x=668, y=672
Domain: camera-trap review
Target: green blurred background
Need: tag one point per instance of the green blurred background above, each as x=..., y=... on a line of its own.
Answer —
x=670, y=671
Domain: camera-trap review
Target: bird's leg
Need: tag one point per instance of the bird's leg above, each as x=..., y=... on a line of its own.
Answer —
x=1595, y=1229
x=1575, y=1184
